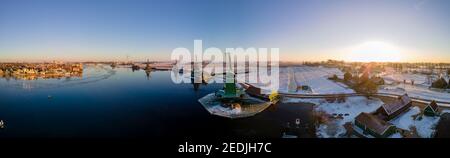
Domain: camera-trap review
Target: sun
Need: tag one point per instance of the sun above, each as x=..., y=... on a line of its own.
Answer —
x=374, y=51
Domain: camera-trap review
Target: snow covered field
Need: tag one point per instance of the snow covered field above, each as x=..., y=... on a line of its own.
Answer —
x=416, y=92
x=314, y=77
x=420, y=89
x=397, y=77
x=391, y=76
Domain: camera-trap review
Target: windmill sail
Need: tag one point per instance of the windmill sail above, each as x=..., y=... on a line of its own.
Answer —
x=292, y=84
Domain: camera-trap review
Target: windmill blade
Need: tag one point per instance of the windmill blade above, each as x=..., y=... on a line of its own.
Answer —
x=229, y=61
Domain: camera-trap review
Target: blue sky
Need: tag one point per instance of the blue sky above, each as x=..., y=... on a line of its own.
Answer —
x=45, y=30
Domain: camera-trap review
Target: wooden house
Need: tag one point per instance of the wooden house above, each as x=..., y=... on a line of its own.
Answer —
x=431, y=109
x=392, y=110
x=374, y=126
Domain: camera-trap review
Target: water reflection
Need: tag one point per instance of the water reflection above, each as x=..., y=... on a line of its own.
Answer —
x=148, y=74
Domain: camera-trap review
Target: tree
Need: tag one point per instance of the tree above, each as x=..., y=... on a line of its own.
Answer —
x=371, y=87
x=364, y=78
x=377, y=80
x=347, y=76
x=368, y=87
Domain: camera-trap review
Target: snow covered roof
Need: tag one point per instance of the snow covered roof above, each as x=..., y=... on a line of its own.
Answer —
x=397, y=105
x=253, y=90
x=373, y=123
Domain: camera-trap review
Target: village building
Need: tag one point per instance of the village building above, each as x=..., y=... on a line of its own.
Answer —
x=431, y=109
x=374, y=126
x=392, y=110
x=254, y=91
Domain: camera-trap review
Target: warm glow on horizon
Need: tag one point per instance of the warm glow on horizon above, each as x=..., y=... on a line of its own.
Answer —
x=374, y=51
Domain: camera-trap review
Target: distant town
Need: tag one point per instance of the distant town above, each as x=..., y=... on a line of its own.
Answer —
x=33, y=71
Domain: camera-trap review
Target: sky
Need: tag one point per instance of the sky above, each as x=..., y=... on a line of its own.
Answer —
x=303, y=30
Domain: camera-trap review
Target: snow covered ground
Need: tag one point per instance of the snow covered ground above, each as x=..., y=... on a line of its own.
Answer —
x=420, y=89
x=416, y=91
x=314, y=77
x=445, y=111
x=391, y=76
x=349, y=110
x=424, y=125
x=334, y=128
x=224, y=110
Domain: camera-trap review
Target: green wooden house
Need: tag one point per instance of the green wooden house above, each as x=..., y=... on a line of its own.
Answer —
x=431, y=109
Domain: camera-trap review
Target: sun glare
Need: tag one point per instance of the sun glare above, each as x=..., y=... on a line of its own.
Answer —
x=374, y=51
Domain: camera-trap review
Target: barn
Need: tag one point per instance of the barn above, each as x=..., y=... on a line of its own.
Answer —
x=392, y=110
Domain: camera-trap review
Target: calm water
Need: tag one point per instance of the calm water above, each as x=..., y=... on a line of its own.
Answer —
x=120, y=103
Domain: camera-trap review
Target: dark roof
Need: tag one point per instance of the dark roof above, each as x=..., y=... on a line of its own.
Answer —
x=373, y=123
x=253, y=90
x=397, y=105
x=433, y=105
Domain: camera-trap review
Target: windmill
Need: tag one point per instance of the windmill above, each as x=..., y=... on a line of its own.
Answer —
x=230, y=91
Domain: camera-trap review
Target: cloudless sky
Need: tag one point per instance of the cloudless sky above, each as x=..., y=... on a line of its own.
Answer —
x=98, y=30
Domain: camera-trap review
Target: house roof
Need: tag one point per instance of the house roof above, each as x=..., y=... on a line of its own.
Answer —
x=373, y=123
x=397, y=105
x=433, y=105
x=253, y=90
